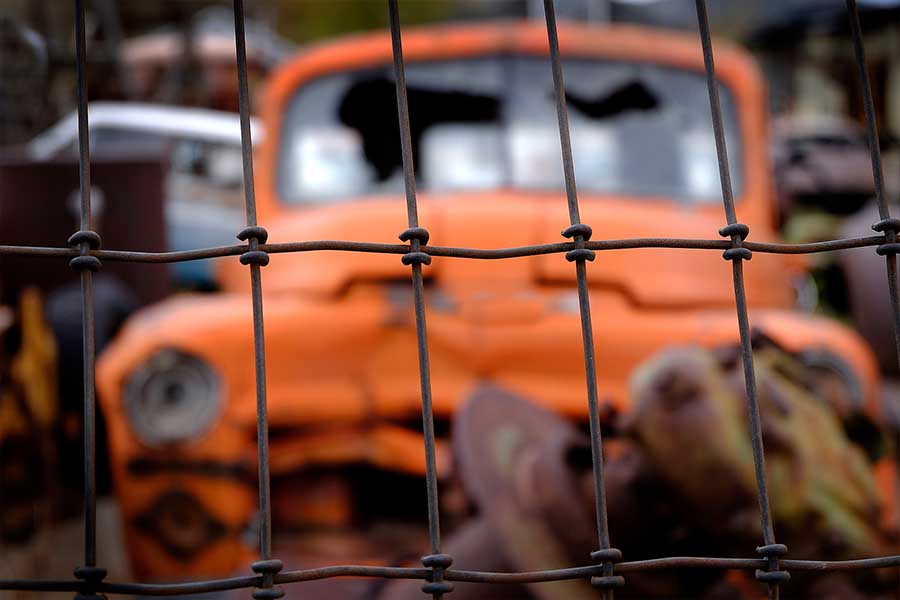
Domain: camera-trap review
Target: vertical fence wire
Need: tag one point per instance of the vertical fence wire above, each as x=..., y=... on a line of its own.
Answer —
x=580, y=233
x=888, y=225
x=90, y=509
x=85, y=240
x=416, y=258
x=772, y=576
x=256, y=259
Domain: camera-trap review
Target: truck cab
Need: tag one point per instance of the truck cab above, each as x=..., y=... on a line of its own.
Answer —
x=177, y=385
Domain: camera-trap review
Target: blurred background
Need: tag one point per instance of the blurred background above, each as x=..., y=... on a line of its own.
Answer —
x=165, y=135
x=176, y=52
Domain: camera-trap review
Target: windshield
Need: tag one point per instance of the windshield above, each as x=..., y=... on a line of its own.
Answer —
x=637, y=129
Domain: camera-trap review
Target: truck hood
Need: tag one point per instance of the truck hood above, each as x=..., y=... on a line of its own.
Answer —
x=651, y=277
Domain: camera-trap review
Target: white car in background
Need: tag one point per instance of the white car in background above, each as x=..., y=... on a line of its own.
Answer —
x=201, y=151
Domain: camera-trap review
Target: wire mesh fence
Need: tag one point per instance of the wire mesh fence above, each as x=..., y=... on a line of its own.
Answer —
x=609, y=569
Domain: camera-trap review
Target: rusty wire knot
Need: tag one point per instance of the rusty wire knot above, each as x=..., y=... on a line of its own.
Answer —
x=85, y=241
x=890, y=227
x=254, y=236
x=417, y=237
x=607, y=557
x=438, y=563
x=580, y=233
x=268, y=569
x=91, y=576
x=736, y=252
x=773, y=573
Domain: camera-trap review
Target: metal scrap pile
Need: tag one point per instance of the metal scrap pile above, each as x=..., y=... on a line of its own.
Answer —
x=680, y=482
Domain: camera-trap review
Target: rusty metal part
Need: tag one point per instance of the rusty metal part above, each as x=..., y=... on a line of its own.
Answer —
x=824, y=494
x=529, y=472
x=509, y=453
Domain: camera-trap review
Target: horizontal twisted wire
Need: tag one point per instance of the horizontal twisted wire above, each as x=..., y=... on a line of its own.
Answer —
x=445, y=251
x=459, y=575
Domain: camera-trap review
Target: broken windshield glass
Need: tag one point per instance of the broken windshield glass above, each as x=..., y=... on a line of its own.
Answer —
x=637, y=129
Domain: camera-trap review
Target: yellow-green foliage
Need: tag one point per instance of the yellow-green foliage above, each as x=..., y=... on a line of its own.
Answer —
x=306, y=20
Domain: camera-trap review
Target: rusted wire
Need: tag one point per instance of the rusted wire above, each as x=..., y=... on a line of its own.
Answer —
x=255, y=235
x=416, y=258
x=85, y=256
x=580, y=233
x=446, y=251
x=888, y=225
x=737, y=254
x=85, y=240
x=468, y=576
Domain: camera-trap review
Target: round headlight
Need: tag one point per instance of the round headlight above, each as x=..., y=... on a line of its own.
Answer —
x=171, y=398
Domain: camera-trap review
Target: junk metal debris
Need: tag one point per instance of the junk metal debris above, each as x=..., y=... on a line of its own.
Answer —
x=679, y=476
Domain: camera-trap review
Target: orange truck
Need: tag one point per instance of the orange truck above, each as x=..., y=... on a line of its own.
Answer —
x=177, y=385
